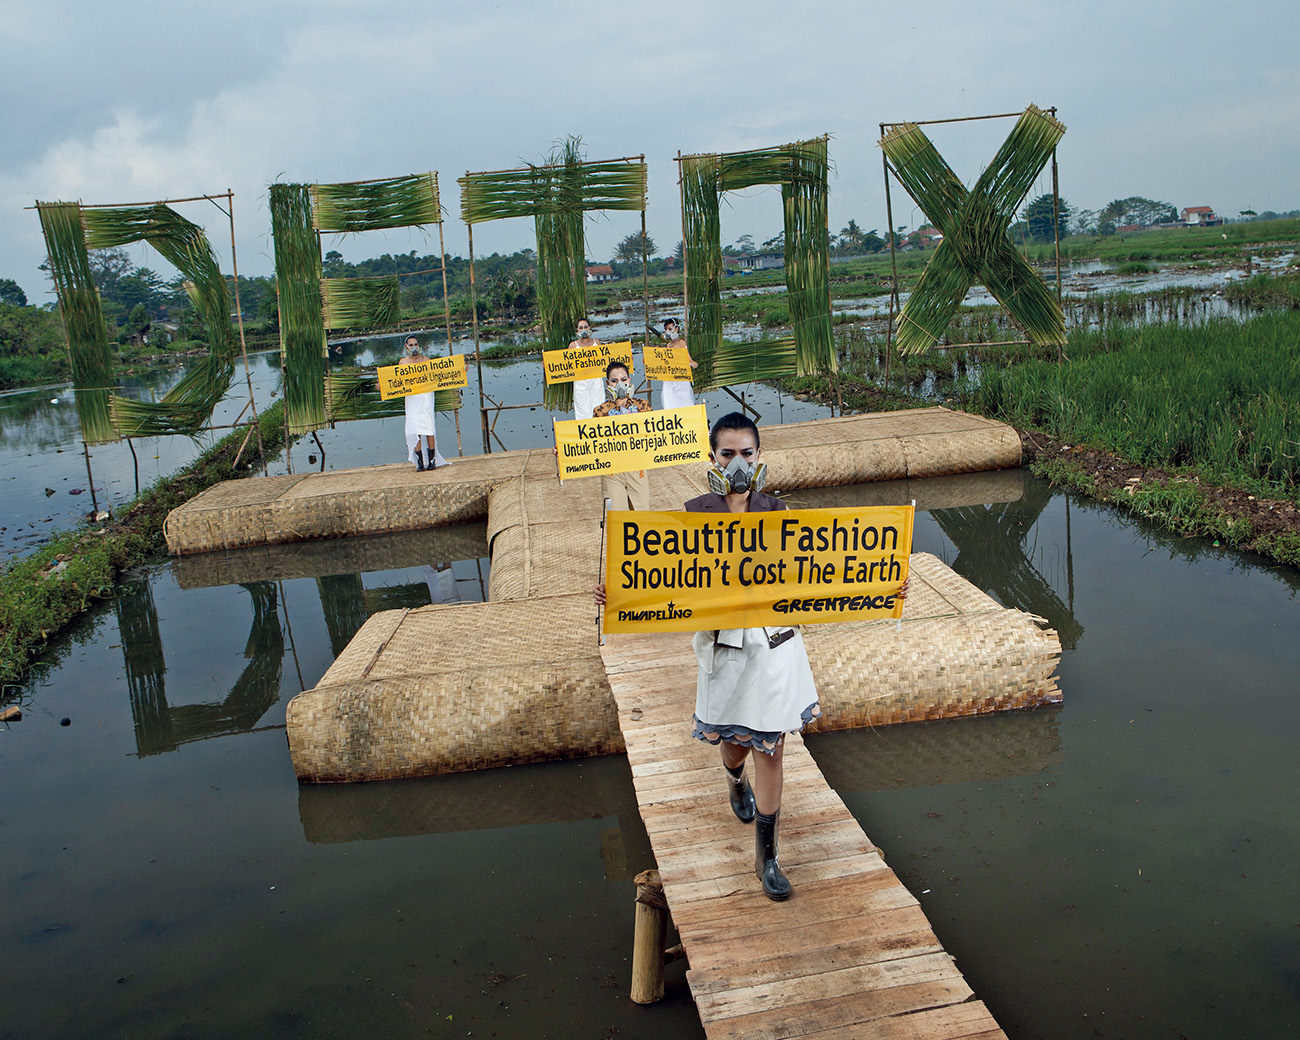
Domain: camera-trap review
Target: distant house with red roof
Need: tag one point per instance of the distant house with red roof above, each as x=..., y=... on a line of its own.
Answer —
x=1201, y=216
x=601, y=273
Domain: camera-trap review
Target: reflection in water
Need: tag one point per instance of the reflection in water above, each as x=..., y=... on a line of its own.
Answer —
x=488, y=799
x=986, y=747
x=990, y=542
x=160, y=727
x=343, y=601
x=365, y=554
x=514, y=796
x=142, y=653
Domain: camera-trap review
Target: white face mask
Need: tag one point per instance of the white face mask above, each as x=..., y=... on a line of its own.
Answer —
x=584, y=333
x=412, y=349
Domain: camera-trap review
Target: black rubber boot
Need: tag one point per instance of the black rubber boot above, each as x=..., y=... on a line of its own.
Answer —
x=430, y=464
x=419, y=461
x=775, y=885
x=740, y=793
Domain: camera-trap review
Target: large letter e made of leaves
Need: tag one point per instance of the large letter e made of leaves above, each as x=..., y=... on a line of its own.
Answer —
x=975, y=246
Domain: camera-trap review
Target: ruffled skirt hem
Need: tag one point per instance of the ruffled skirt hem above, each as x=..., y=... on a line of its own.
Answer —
x=758, y=740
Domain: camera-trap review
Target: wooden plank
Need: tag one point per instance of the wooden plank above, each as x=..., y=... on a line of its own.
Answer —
x=969, y=1020
x=779, y=966
x=851, y=954
x=707, y=953
x=820, y=1016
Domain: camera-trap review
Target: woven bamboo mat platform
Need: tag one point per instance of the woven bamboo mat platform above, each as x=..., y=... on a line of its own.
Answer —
x=446, y=688
x=922, y=442
x=850, y=954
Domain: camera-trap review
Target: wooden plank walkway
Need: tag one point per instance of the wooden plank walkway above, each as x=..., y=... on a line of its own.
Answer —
x=849, y=955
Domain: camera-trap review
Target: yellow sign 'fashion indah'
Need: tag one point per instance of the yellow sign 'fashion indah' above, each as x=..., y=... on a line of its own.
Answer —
x=564, y=366
x=440, y=373
x=688, y=572
x=625, y=443
x=672, y=363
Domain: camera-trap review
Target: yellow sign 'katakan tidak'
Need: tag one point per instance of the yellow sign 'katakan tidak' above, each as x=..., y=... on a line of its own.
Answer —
x=626, y=443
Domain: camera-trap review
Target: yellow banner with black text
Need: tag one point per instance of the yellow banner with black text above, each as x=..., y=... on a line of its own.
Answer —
x=672, y=363
x=626, y=443
x=688, y=572
x=422, y=377
x=564, y=366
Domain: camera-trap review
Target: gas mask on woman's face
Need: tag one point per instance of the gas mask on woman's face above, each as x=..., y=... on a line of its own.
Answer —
x=619, y=391
x=412, y=349
x=737, y=478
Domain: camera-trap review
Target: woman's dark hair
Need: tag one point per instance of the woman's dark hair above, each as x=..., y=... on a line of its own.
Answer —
x=733, y=421
x=672, y=322
x=617, y=364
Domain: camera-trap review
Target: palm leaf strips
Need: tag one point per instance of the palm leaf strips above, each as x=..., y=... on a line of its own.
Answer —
x=555, y=195
x=801, y=170
x=975, y=247
x=83, y=319
x=187, y=406
x=302, y=324
x=360, y=303
x=375, y=205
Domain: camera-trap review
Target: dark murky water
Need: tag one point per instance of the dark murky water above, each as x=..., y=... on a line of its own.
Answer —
x=1120, y=866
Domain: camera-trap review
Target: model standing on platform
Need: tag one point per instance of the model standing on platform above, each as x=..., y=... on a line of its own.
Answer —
x=421, y=410
x=587, y=393
x=754, y=684
x=630, y=490
x=677, y=393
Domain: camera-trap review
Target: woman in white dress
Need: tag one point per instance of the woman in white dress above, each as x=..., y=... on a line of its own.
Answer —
x=677, y=393
x=587, y=393
x=420, y=414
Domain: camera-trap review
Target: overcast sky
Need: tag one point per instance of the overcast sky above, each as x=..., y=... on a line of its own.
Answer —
x=1190, y=102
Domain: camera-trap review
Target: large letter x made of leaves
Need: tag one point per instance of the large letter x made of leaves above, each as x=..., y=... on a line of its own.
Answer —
x=975, y=246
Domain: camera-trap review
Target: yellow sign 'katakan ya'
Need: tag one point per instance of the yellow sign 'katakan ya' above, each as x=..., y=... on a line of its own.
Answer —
x=685, y=572
x=564, y=366
x=625, y=443
x=440, y=373
x=671, y=363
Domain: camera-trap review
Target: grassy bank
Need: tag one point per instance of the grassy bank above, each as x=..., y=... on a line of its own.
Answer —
x=1229, y=241
x=42, y=593
x=1179, y=503
x=1196, y=428
x=1223, y=397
